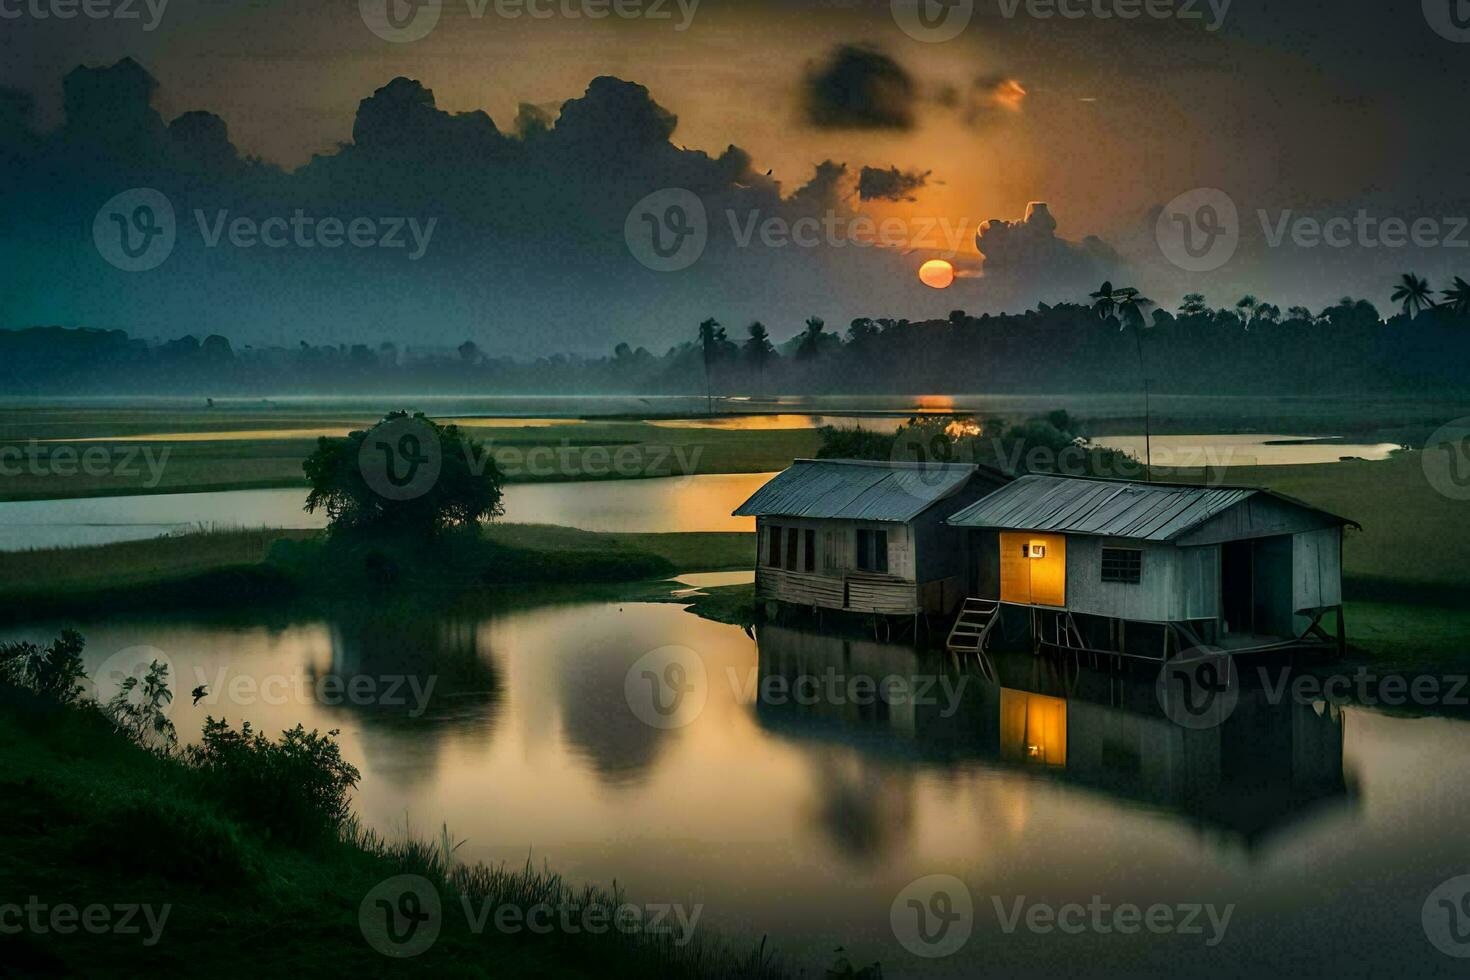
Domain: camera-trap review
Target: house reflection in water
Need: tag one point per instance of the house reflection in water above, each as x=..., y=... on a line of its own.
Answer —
x=1266, y=767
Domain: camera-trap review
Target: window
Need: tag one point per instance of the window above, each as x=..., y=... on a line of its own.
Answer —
x=773, y=546
x=809, y=558
x=1122, y=565
x=791, y=549
x=872, y=550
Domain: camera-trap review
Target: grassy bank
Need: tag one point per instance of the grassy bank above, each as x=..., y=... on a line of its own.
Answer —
x=91, y=819
x=222, y=568
x=249, y=452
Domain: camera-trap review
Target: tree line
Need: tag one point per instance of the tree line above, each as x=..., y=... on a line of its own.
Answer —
x=1100, y=343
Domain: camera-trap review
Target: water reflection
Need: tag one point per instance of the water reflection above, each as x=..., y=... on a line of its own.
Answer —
x=1266, y=768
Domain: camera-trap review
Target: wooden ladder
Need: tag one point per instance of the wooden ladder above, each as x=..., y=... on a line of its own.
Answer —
x=973, y=625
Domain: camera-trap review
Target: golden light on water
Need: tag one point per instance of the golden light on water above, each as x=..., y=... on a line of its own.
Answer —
x=936, y=274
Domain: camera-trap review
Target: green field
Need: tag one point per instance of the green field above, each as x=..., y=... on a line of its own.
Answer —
x=242, y=453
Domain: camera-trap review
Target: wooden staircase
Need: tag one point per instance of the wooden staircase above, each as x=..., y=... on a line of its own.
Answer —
x=973, y=625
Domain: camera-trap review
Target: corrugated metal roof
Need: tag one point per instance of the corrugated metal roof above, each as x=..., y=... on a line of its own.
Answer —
x=853, y=489
x=1115, y=508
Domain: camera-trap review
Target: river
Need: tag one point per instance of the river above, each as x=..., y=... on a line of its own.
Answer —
x=807, y=811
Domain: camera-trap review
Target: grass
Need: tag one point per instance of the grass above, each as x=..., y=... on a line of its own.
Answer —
x=225, y=568
x=121, y=825
x=577, y=451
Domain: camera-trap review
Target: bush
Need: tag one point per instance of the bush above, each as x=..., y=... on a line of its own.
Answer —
x=296, y=788
x=55, y=673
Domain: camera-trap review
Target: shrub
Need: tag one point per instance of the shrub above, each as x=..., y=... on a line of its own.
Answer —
x=296, y=788
x=55, y=672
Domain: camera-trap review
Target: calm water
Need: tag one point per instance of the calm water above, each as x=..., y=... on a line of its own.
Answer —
x=683, y=503
x=1246, y=450
x=804, y=820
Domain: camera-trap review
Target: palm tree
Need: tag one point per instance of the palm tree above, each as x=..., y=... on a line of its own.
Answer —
x=1457, y=297
x=758, y=350
x=710, y=335
x=1414, y=292
x=810, y=344
x=1104, y=301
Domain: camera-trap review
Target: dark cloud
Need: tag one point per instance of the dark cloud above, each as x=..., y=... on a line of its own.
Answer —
x=529, y=251
x=892, y=184
x=859, y=88
x=1027, y=258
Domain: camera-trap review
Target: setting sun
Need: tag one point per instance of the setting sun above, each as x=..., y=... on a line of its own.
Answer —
x=936, y=274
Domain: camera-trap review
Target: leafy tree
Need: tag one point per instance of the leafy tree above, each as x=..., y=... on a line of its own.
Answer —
x=1246, y=307
x=1193, y=304
x=1414, y=293
x=466, y=491
x=1299, y=313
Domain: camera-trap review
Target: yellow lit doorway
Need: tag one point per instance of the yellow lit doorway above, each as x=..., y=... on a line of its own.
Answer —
x=1033, y=568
